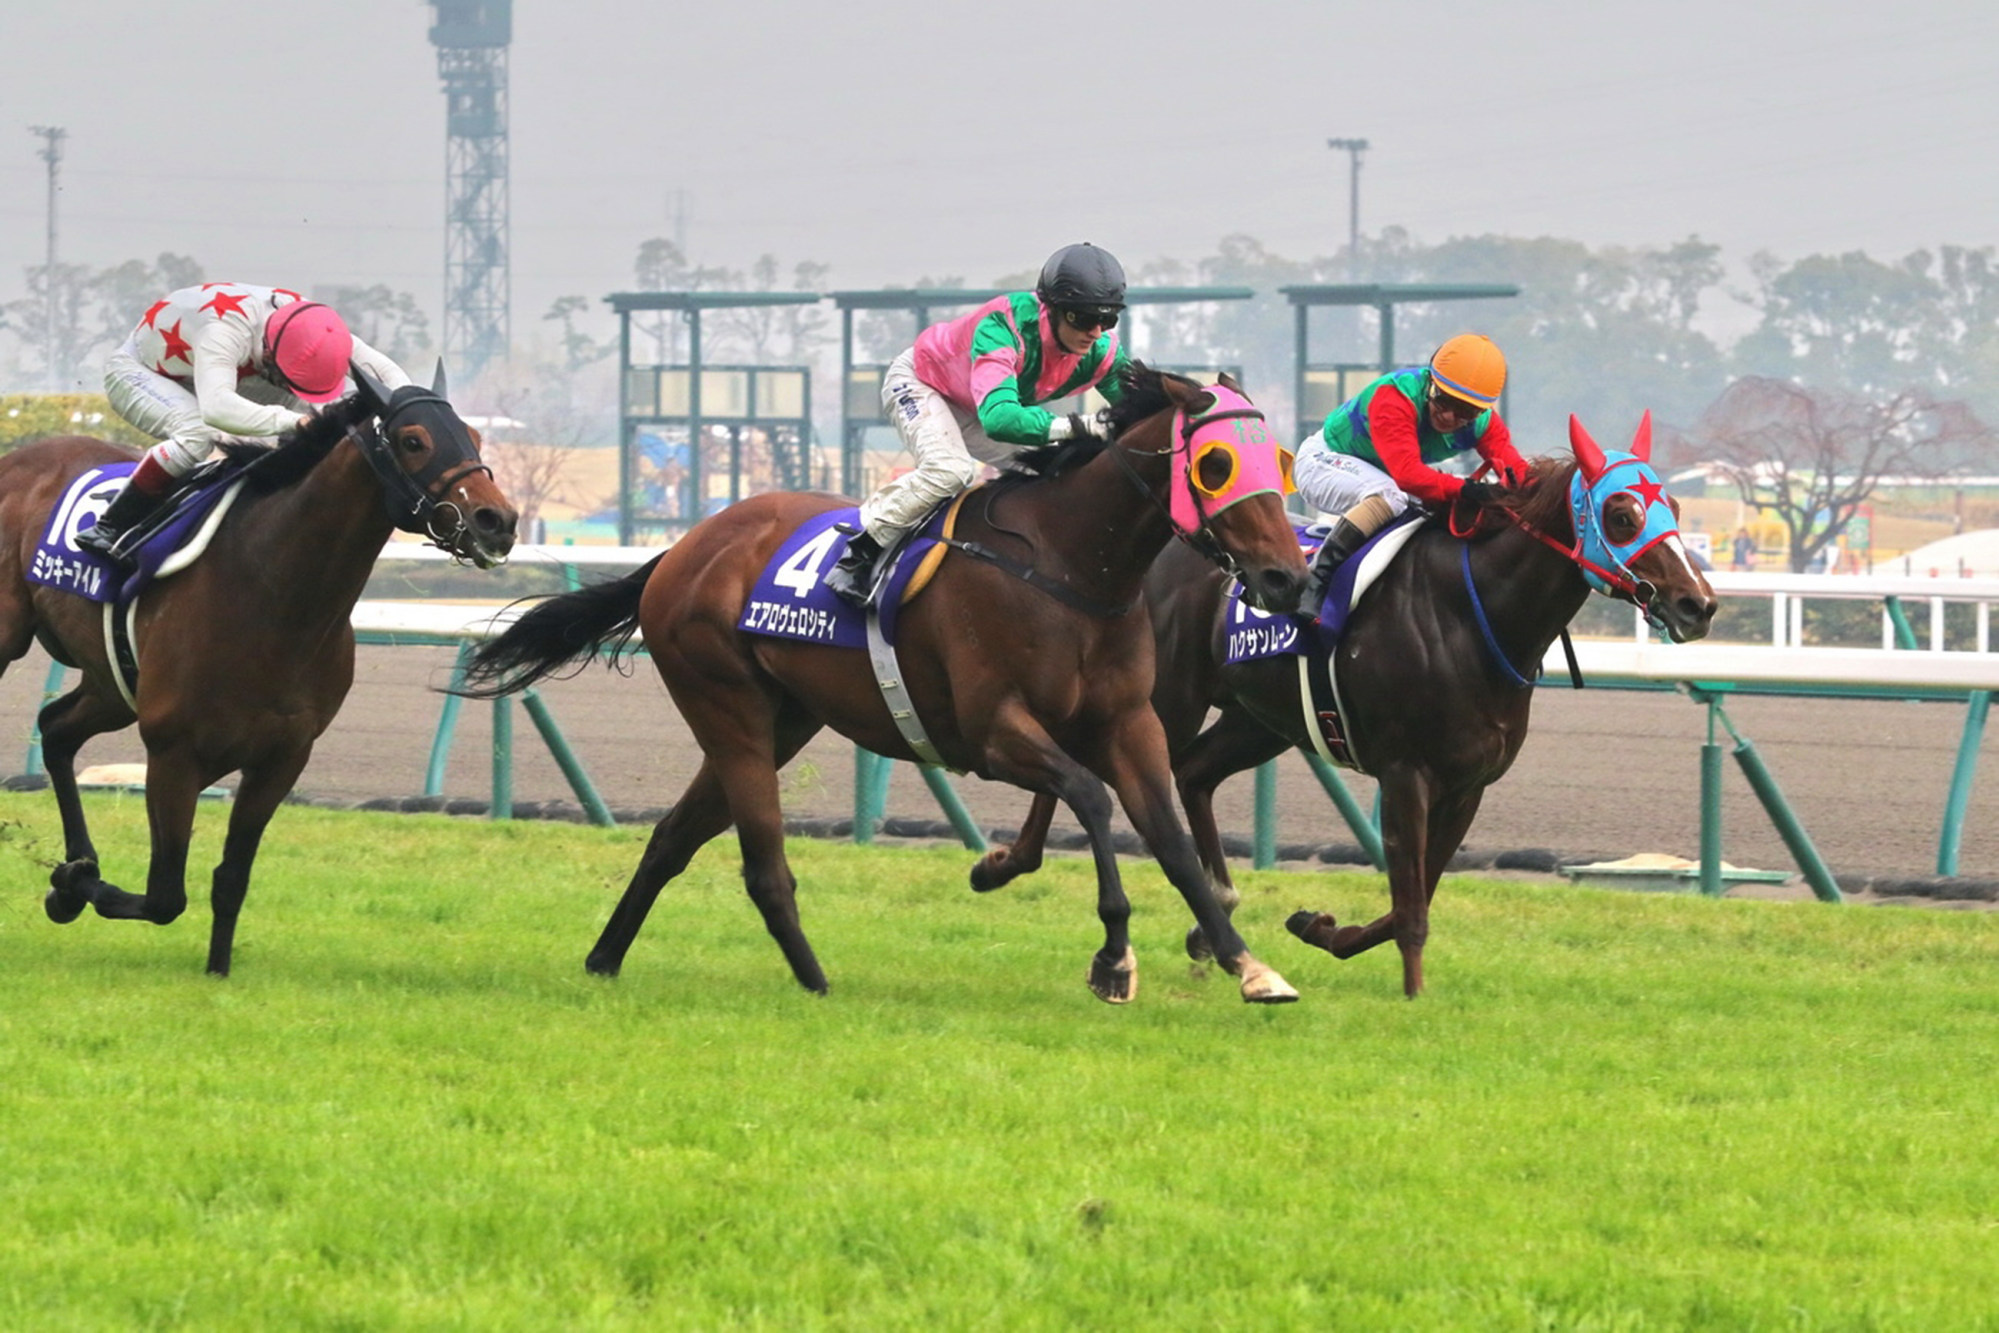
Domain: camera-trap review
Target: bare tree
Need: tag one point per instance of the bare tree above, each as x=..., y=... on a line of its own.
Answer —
x=1813, y=456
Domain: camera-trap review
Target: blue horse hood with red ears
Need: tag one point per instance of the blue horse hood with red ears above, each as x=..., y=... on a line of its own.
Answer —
x=1600, y=474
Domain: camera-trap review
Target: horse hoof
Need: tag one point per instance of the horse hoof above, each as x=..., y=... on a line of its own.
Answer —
x=1315, y=928
x=69, y=890
x=1198, y=947
x=1262, y=985
x=1114, y=984
x=991, y=871
x=601, y=967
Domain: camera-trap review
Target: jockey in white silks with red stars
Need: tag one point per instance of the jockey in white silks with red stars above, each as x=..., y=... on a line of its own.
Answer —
x=966, y=394
x=219, y=361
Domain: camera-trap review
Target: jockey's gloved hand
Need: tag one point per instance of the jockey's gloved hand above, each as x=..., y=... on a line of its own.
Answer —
x=1075, y=426
x=1479, y=493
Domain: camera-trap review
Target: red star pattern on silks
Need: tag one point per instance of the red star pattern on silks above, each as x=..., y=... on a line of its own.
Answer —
x=222, y=303
x=286, y=291
x=1650, y=491
x=177, y=347
x=152, y=313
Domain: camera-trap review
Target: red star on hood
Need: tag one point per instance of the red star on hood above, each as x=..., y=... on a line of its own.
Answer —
x=177, y=346
x=1651, y=492
x=222, y=303
x=157, y=307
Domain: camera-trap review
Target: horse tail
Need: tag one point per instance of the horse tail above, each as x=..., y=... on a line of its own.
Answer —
x=571, y=627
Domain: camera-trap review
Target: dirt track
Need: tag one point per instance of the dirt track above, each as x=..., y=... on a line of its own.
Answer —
x=1609, y=772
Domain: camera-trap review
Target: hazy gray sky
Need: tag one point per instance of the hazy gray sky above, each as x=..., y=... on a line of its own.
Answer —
x=302, y=144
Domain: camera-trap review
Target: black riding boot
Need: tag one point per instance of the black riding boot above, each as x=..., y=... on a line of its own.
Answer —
x=853, y=578
x=129, y=508
x=1340, y=543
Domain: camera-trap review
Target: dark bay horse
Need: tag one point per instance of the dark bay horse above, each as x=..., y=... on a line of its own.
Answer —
x=1043, y=684
x=245, y=655
x=1435, y=707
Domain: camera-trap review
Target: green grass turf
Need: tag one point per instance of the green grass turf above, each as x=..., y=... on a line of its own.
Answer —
x=410, y=1107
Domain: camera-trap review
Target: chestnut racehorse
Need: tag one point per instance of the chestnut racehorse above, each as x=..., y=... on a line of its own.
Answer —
x=1435, y=672
x=1027, y=659
x=245, y=655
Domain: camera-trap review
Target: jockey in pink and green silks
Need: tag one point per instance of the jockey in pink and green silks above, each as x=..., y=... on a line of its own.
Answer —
x=969, y=393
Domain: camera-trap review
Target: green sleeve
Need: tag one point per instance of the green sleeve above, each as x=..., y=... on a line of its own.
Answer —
x=1005, y=418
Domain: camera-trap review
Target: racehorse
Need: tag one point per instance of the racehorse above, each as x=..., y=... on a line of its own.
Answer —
x=243, y=657
x=1027, y=659
x=1435, y=672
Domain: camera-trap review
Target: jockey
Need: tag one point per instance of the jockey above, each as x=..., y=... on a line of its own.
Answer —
x=1373, y=458
x=965, y=394
x=217, y=361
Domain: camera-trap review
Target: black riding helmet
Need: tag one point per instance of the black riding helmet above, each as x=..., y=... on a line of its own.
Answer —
x=1084, y=278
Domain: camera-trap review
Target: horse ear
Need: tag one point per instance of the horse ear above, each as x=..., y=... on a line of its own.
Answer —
x=371, y=391
x=1588, y=456
x=437, y=380
x=1227, y=381
x=1641, y=443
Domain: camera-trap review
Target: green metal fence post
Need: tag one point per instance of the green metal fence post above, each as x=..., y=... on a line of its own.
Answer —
x=954, y=809
x=1266, y=815
x=870, y=793
x=1364, y=830
x=447, y=724
x=1711, y=884
x=1788, y=827
x=1905, y=635
x=503, y=758
x=565, y=759
x=1977, y=705
x=51, y=689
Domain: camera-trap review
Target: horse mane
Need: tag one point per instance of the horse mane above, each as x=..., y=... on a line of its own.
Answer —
x=298, y=451
x=1541, y=502
x=1143, y=394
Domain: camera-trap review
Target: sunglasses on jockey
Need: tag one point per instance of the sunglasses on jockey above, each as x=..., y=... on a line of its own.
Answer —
x=1089, y=321
x=1455, y=408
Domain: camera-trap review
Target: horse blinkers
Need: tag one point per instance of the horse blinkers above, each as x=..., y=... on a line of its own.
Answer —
x=419, y=461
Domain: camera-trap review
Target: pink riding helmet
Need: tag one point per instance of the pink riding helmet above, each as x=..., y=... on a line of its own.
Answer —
x=309, y=346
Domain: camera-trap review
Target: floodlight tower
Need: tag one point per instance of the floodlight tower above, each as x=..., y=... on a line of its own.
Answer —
x=1353, y=148
x=471, y=37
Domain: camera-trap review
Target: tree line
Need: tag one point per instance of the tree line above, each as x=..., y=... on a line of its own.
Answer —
x=1845, y=368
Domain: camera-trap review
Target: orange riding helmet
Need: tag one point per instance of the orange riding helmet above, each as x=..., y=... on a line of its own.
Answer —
x=1470, y=367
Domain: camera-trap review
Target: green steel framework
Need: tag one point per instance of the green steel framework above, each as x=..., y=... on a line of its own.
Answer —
x=691, y=305
x=1383, y=297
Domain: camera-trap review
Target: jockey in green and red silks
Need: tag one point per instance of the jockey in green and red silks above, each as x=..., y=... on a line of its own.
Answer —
x=1374, y=457
x=969, y=393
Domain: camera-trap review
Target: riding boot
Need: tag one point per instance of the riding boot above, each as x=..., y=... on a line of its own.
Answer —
x=127, y=510
x=1350, y=531
x=853, y=578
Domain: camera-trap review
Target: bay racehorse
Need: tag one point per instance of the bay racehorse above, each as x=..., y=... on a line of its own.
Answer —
x=244, y=656
x=1027, y=659
x=1435, y=672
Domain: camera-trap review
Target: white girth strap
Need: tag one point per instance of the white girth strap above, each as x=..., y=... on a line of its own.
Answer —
x=888, y=676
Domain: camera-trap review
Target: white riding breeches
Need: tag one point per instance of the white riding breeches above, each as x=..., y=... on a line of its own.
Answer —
x=944, y=439
x=168, y=410
x=1334, y=483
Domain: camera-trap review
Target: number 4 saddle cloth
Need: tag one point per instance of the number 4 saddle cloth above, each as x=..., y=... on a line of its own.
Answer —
x=791, y=599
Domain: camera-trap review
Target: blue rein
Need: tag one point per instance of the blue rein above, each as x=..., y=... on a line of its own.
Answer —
x=1485, y=625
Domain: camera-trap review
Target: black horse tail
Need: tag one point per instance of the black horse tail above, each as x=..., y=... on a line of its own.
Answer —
x=571, y=627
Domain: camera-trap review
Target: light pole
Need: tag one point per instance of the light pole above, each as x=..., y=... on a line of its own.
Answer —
x=1354, y=148
x=51, y=153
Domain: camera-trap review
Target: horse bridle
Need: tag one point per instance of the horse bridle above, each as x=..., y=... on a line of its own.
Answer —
x=416, y=500
x=1202, y=539
x=1620, y=582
